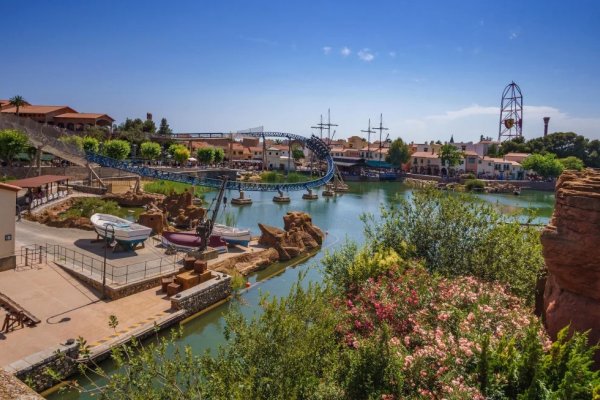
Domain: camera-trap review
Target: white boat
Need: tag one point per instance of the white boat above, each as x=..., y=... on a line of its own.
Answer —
x=232, y=235
x=121, y=230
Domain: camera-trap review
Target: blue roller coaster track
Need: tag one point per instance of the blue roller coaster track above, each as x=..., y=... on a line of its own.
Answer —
x=316, y=145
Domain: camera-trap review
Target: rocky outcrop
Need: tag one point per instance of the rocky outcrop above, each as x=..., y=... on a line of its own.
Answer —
x=298, y=236
x=247, y=263
x=571, y=244
x=181, y=210
x=134, y=199
x=155, y=219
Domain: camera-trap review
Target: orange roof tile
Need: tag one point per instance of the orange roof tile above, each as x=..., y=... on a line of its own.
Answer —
x=38, y=109
x=83, y=116
x=424, y=154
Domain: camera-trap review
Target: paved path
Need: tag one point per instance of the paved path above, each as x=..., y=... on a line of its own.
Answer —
x=68, y=309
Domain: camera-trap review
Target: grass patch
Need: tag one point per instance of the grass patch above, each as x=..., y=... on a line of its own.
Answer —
x=279, y=177
x=88, y=206
x=168, y=187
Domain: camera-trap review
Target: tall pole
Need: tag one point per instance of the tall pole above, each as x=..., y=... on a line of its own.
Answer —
x=380, y=129
x=368, y=132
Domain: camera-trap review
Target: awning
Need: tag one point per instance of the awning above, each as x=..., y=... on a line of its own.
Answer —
x=38, y=181
x=378, y=164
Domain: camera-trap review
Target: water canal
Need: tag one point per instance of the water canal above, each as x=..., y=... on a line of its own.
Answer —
x=339, y=217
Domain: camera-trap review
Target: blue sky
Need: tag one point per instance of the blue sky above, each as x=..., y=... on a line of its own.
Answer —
x=433, y=68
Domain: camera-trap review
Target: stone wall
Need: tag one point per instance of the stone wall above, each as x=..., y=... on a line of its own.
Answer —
x=572, y=254
x=32, y=369
x=114, y=291
x=12, y=388
x=203, y=295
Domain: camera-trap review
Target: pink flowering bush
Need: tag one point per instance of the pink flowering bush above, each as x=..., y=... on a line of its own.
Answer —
x=439, y=338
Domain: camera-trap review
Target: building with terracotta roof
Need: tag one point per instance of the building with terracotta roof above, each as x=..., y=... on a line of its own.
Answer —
x=61, y=116
x=518, y=157
x=41, y=114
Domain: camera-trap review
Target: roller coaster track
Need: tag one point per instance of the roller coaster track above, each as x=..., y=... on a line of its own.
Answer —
x=316, y=145
x=46, y=137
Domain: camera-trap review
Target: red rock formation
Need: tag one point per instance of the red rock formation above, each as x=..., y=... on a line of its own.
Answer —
x=299, y=236
x=572, y=252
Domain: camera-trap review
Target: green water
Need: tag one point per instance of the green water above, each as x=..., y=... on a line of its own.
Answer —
x=339, y=218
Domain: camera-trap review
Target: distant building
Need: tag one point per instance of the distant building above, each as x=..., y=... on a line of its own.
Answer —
x=61, y=116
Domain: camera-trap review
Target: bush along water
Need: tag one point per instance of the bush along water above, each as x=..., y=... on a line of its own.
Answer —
x=412, y=314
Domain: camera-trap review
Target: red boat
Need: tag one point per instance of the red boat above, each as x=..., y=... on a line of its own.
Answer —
x=188, y=241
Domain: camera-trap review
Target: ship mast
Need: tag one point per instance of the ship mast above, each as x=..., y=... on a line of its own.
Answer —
x=380, y=129
x=368, y=132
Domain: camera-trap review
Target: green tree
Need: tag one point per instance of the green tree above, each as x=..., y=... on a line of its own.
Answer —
x=219, y=155
x=90, y=144
x=493, y=150
x=206, y=155
x=563, y=144
x=150, y=150
x=18, y=102
x=398, y=153
x=297, y=153
x=516, y=145
x=545, y=165
x=174, y=147
x=117, y=149
x=12, y=142
x=149, y=126
x=572, y=162
x=450, y=155
x=164, y=128
x=181, y=154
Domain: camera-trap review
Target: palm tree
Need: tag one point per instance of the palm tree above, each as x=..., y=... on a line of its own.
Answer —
x=17, y=101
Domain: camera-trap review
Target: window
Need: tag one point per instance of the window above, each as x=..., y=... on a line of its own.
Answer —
x=471, y=161
x=425, y=149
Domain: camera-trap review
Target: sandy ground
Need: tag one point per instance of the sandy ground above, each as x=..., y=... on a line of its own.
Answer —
x=69, y=309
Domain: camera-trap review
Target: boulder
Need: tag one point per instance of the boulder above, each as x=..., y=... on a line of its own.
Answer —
x=572, y=255
x=298, y=237
x=154, y=219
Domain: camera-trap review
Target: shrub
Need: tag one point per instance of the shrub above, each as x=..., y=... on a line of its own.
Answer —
x=206, y=155
x=472, y=184
x=88, y=206
x=150, y=150
x=90, y=144
x=470, y=175
x=117, y=149
x=278, y=177
x=168, y=187
x=12, y=142
x=73, y=140
x=457, y=235
x=572, y=162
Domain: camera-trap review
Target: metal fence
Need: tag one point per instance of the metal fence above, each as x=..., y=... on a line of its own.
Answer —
x=96, y=268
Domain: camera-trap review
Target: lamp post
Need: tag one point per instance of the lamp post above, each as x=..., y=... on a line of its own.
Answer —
x=105, y=249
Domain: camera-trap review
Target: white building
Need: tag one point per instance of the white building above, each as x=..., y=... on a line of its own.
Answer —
x=278, y=158
x=8, y=199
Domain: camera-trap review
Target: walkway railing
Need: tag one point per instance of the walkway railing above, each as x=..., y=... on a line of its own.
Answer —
x=94, y=267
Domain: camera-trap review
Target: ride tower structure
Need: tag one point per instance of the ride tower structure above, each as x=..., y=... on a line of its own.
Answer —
x=511, y=113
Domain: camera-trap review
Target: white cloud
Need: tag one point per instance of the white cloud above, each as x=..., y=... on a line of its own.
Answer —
x=366, y=55
x=326, y=50
x=465, y=112
x=392, y=54
x=345, y=51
